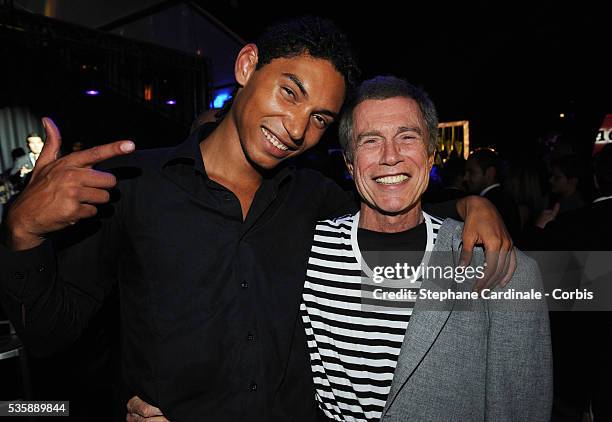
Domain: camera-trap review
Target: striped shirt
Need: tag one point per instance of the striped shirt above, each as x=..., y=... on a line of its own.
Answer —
x=353, y=347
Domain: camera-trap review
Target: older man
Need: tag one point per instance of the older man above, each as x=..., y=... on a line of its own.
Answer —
x=374, y=356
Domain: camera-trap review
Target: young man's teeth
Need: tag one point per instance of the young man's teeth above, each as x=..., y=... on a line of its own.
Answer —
x=392, y=180
x=274, y=141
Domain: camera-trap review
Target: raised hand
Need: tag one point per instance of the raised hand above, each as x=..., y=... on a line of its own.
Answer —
x=61, y=191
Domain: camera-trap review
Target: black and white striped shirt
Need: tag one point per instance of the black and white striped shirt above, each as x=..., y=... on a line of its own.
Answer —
x=353, y=348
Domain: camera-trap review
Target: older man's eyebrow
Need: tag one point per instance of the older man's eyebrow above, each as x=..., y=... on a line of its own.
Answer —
x=298, y=82
x=368, y=134
x=403, y=129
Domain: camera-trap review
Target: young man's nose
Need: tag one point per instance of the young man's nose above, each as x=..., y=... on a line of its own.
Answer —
x=296, y=125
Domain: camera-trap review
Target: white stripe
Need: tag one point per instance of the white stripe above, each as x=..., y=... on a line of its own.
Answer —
x=323, y=228
x=334, y=277
x=374, y=363
x=339, y=291
x=332, y=252
x=355, y=333
x=335, y=264
x=326, y=342
x=358, y=320
x=340, y=305
x=328, y=239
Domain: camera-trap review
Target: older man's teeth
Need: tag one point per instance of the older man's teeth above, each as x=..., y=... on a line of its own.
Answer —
x=274, y=141
x=391, y=180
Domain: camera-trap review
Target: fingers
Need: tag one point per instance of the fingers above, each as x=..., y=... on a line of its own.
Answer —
x=491, y=262
x=91, y=156
x=467, y=250
x=93, y=196
x=137, y=406
x=98, y=179
x=53, y=142
x=510, y=270
x=132, y=417
x=84, y=211
x=79, y=178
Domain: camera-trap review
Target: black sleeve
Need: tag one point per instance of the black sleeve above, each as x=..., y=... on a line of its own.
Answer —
x=446, y=209
x=50, y=292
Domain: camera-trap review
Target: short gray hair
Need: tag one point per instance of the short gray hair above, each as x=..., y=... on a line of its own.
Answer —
x=383, y=88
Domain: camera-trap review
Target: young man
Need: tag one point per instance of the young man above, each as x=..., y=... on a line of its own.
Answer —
x=208, y=240
x=377, y=355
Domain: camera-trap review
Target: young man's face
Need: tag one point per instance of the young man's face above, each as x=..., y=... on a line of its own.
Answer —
x=35, y=144
x=391, y=162
x=285, y=107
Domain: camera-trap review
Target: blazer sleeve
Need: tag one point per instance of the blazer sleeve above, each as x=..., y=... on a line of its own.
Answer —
x=519, y=356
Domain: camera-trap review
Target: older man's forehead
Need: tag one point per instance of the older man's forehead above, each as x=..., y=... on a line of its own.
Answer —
x=393, y=115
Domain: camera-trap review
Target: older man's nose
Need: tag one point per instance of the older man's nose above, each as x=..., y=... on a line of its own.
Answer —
x=390, y=154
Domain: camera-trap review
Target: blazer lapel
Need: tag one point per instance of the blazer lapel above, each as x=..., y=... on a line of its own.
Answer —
x=428, y=317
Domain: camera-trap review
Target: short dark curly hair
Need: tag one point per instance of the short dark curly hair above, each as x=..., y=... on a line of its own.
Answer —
x=318, y=37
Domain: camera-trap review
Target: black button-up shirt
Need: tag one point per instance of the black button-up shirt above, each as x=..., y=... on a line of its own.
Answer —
x=209, y=302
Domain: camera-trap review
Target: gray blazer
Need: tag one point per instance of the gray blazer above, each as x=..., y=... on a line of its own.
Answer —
x=474, y=360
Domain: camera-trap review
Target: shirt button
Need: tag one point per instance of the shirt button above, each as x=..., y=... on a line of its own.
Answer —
x=244, y=284
x=250, y=337
x=41, y=269
x=227, y=197
x=253, y=386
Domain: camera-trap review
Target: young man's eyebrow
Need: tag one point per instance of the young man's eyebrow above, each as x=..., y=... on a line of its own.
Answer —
x=294, y=78
x=328, y=113
x=298, y=82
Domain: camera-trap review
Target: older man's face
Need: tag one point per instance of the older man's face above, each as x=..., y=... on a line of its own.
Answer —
x=390, y=160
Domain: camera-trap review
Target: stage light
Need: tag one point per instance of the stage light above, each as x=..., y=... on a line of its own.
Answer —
x=221, y=99
x=562, y=115
x=171, y=102
x=148, y=92
x=92, y=92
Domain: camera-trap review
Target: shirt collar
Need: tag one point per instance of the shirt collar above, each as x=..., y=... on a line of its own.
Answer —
x=189, y=151
x=488, y=188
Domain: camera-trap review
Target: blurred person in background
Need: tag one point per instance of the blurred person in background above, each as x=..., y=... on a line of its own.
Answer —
x=566, y=181
x=453, y=186
x=25, y=163
x=526, y=184
x=582, y=341
x=483, y=177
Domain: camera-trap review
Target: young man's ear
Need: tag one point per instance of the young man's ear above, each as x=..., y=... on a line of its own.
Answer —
x=246, y=62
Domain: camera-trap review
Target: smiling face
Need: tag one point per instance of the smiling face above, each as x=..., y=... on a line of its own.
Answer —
x=35, y=144
x=391, y=163
x=285, y=107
